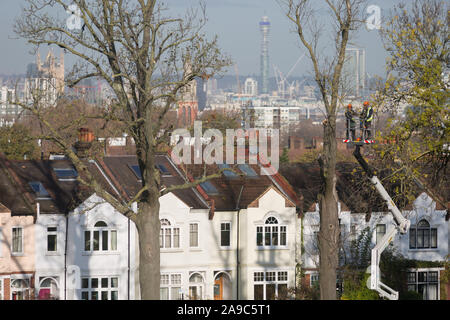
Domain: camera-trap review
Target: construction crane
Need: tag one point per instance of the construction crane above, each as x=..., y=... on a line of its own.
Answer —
x=282, y=81
x=401, y=225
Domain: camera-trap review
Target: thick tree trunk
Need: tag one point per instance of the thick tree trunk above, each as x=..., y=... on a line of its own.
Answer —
x=329, y=220
x=148, y=226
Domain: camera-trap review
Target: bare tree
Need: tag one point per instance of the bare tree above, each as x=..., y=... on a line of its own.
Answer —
x=148, y=58
x=345, y=18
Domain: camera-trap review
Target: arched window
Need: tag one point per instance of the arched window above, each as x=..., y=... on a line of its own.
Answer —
x=272, y=234
x=48, y=289
x=169, y=236
x=100, y=238
x=196, y=286
x=20, y=289
x=422, y=236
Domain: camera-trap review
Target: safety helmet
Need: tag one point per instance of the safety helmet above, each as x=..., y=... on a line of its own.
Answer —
x=349, y=106
x=366, y=103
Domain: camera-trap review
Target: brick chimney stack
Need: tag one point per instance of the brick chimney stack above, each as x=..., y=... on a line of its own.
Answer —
x=85, y=138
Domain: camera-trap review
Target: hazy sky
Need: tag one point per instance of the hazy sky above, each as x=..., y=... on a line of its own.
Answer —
x=236, y=22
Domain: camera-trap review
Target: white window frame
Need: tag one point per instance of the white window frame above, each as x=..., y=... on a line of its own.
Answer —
x=52, y=233
x=99, y=289
x=197, y=236
x=25, y=291
x=313, y=279
x=171, y=284
x=270, y=281
x=430, y=237
x=267, y=228
x=174, y=231
x=200, y=286
x=100, y=229
x=229, y=232
x=416, y=283
x=21, y=252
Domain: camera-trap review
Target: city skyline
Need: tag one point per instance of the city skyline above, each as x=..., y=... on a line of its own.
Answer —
x=241, y=41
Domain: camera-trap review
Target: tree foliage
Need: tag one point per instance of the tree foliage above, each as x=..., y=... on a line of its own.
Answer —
x=417, y=41
x=17, y=142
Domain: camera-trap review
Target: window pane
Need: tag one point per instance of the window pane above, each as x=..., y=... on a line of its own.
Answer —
x=270, y=291
x=168, y=238
x=422, y=277
x=225, y=234
x=94, y=295
x=412, y=238
x=96, y=240
x=274, y=236
x=104, y=295
x=411, y=277
x=258, y=291
x=84, y=295
x=164, y=293
x=114, y=282
x=193, y=239
x=51, y=242
x=113, y=240
x=267, y=236
x=104, y=240
x=259, y=236
x=175, y=293
x=104, y=282
x=114, y=295
x=85, y=283
x=17, y=240
x=282, y=291
x=94, y=283
x=420, y=238
x=432, y=276
x=432, y=291
x=176, y=237
x=87, y=241
x=270, y=276
x=426, y=238
x=434, y=238
x=283, y=236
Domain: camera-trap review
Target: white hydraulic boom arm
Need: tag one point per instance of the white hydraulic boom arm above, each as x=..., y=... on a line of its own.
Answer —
x=402, y=226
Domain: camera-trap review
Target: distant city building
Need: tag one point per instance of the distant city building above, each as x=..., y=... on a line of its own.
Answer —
x=188, y=103
x=264, y=26
x=354, y=71
x=45, y=79
x=251, y=87
x=8, y=112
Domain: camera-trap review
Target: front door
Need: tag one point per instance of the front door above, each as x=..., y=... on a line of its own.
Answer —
x=218, y=288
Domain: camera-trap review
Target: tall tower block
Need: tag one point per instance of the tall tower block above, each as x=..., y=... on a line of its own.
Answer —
x=264, y=26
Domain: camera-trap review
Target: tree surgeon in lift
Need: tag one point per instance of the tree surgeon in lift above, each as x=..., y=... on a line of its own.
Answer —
x=366, y=118
x=350, y=122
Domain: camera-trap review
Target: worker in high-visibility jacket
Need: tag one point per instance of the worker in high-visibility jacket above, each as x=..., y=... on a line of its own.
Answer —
x=367, y=117
x=350, y=122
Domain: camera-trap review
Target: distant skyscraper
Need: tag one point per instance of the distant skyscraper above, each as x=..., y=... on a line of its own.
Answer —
x=251, y=87
x=264, y=26
x=354, y=72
